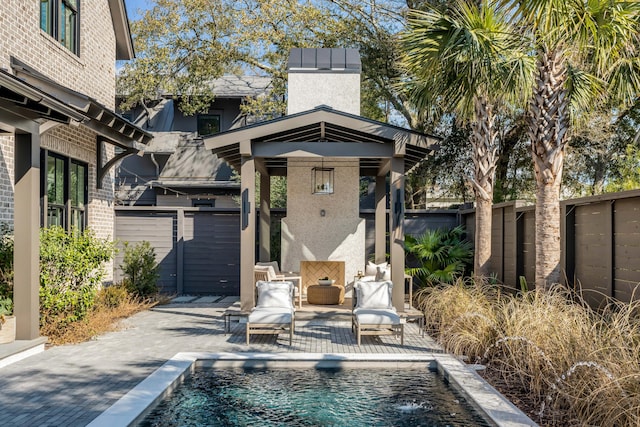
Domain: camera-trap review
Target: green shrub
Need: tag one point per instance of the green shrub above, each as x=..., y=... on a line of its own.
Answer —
x=112, y=296
x=70, y=273
x=440, y=255
x=6, y=306
x=140, y=269
x=6, y=262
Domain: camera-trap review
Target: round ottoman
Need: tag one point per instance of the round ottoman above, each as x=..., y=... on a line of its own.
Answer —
x=325, y=294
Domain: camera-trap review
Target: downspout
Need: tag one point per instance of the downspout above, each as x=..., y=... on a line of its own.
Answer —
x=153, y=159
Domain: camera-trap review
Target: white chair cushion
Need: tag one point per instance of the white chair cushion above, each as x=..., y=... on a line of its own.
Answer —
x=270, y=315
x=371, y=269
x=275, y=295
x=375, y=317
x=375, y=295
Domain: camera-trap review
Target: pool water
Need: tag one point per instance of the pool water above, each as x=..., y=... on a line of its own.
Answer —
x=314, y=397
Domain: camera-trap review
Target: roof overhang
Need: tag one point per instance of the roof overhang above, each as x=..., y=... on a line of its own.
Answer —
x=28, y=102
x=105, y=122
x=322, y=132
x=124, y=43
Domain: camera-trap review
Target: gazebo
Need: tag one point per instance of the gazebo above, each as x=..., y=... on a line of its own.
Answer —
x=323, y=146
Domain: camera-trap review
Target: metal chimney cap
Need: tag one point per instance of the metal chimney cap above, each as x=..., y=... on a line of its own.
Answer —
x=333, y=60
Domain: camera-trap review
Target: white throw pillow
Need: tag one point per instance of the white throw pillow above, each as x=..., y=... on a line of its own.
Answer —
x=383, y=274
x=374, y=294
x=275, y=295
x=371, y=269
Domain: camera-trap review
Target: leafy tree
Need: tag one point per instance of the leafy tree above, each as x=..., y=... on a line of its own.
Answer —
x=471, y=61
x=443, y=175
x=629, y=172
x=586, y=54
x=183, y=45
x=591, y=156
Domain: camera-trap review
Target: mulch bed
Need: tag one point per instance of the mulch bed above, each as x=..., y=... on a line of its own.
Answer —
x=524, y=401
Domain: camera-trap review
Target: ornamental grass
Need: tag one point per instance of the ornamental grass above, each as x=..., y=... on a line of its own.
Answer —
x=562, y=362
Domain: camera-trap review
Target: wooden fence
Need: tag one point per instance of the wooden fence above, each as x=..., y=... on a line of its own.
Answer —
x=600, y=238
x=198, y=249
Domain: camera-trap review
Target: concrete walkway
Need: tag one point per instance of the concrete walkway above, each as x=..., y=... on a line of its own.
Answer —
x=71, y=385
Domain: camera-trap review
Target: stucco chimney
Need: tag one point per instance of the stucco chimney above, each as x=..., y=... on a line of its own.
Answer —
x=324, y=77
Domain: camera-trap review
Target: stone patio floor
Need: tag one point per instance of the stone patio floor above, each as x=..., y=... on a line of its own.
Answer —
x=71, y=385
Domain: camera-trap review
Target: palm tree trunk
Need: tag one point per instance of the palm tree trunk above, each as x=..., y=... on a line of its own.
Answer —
x=548, y=126
x=483, y=140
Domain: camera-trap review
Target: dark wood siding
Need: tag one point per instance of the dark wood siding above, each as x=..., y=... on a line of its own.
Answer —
x=212, y=253
x=159, y=229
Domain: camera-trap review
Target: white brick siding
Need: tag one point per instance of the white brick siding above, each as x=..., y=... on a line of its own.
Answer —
x=6, y=178
x=91, y=73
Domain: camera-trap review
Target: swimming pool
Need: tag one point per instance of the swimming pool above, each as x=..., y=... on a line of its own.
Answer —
x=140, y=401
x=301, y=397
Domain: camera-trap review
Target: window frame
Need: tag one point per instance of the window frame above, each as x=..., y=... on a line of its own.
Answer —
x=53, y=21
x=208, y=116
x=70, y=215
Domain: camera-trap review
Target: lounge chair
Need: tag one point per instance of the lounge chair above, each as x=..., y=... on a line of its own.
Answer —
x=269, y=272
x=274, y=312
x=373, y=312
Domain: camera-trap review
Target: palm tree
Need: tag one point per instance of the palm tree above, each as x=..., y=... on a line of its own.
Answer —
x=586, y=53
x=441, y=255
x=470, y=61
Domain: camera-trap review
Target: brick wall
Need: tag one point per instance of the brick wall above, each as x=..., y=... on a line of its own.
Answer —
x=91, y=73
x=6, y=178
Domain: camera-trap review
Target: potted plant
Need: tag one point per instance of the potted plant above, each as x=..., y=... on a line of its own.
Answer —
x=7, y=321
x=326, y=281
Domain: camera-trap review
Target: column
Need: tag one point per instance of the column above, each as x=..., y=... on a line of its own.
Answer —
x=381, y=220
x=396, y=232
x=247, y=233
x=265, y=217
x=26, y=256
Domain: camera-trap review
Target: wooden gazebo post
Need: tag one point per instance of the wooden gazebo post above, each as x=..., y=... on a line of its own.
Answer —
x=396, y=231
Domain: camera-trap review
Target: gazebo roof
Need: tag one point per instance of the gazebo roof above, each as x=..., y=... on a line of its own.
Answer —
x=322, y=132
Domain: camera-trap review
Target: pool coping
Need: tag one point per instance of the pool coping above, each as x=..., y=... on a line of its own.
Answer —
x=133, y=406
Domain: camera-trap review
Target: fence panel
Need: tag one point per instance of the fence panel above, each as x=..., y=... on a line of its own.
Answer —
x=627, y=248
x=159, y=229
x=593, y=250
x=211, y=253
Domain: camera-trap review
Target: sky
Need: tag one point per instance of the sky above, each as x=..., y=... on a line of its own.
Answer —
x=133, y=6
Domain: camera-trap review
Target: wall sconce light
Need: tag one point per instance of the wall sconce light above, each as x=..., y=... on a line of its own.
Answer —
x=397, y=208
x=322, y=212
x=322, y=180
x=246, y=208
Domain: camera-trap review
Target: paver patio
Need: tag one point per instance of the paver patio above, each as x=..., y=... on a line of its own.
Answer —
x=71, y=385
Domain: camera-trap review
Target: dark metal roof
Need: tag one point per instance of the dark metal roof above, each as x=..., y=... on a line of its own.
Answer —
x=321, y=59
x=190, y=161
x=29, y=102
x=323, y=132
x=94, y=115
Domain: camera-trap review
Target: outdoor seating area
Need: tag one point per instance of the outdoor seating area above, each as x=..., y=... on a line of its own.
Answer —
x=372, y=311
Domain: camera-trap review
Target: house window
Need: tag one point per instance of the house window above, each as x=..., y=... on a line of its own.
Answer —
x=65, y=182
x=59, y=19
x=208, y=124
